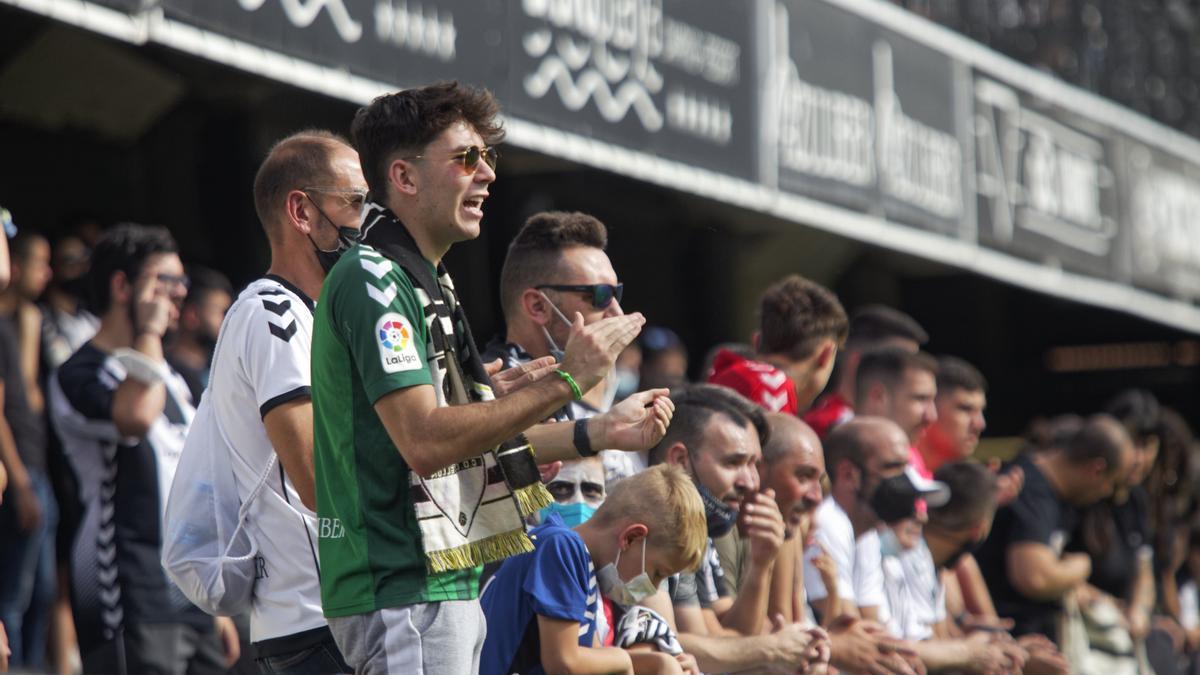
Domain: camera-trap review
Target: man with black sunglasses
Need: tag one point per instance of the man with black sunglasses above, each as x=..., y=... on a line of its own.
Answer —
x=556, y=267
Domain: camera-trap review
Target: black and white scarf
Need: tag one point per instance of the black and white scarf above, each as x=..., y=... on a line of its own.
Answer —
x=473, y=512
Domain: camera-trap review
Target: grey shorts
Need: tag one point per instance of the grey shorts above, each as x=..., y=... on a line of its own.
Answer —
x=434, y=638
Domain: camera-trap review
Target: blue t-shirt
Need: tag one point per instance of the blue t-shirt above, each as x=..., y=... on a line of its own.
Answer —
x=557, y=581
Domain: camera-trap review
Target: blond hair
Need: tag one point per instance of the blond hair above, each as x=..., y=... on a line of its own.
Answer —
x=665, y=501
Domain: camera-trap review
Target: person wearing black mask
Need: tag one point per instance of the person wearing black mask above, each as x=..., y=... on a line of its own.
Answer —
x=717, y=436
x=190, y=353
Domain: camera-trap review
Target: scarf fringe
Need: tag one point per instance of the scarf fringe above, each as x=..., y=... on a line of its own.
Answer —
x=532, y=498
x=481, y=552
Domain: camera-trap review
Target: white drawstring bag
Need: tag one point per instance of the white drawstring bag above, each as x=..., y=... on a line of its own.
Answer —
x=206, y=549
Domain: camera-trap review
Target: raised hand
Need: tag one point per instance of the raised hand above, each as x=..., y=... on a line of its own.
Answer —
x=592, y=349
x=637, y=423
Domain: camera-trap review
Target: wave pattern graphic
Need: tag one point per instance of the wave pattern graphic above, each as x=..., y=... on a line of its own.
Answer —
x=591, y=85
x=302, y=13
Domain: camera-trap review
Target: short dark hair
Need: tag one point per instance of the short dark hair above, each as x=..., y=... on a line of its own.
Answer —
x=125, y=248
x=535, y=253
x=796, y=314
x=1138, y=411
x=1100, y=437
x=873, y=324
x=293, y=163
x=888, y=365
x=972, y=496
x=852, y=441
x=695, y=406
x=954, y=374
x=407, y=121
x=204, y=280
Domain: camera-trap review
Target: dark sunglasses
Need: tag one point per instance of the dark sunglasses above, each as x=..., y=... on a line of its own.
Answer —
x=471, y=156
x=602, y=294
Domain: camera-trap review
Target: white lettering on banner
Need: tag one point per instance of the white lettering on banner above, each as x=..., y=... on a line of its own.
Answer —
x=825, y=133
x=302, y=13
x=844, y=138
x=1040, y=175
x=605, y=52
x=1166, y=234
x=918, y=164
x=425, y=30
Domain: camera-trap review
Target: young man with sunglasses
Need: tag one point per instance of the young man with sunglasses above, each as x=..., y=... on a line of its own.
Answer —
x=122, y=414
x=422, y=475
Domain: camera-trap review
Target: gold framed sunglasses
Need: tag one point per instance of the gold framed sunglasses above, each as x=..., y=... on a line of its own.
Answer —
x=471, y=156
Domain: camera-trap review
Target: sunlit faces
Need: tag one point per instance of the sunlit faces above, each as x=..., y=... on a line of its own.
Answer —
x=960, y=423
x=449, y=197
x=796, y=479
x=341, y=200
x=912, y=404
x=726, y=463
x=578, y=266
x=579, y=482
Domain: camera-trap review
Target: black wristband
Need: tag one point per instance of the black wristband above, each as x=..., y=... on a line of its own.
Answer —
x=583, y=445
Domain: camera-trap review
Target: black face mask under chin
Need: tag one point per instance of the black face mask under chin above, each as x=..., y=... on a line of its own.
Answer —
x=346, y=237
x=719, y=516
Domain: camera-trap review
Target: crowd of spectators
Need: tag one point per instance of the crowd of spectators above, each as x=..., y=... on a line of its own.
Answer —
x=558, y=499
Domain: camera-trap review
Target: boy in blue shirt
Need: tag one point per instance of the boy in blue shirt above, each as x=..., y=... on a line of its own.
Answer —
x=544, y=608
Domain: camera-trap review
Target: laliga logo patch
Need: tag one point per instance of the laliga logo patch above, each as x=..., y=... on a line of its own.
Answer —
x=396, y=348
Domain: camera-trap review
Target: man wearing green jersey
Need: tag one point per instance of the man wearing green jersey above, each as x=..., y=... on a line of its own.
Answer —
x=421, y=474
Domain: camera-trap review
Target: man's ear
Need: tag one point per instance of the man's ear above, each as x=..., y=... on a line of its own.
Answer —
x=825, y=354
x=535, y=306
x=755, y=339
x=878, y=396
x=677, y=455
x=633, y=533
x=847, y=472
x=120, y=290
x=299, y=212
x=402, y=177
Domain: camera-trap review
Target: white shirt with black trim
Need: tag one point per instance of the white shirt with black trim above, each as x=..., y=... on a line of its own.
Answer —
x=262, y=362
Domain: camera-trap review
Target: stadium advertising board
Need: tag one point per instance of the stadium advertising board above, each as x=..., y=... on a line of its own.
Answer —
x=866, y=118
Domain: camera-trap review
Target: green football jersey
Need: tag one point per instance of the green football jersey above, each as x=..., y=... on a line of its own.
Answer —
x=370, y=338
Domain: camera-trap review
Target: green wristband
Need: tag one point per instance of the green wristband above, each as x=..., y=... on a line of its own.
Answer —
x=571, y=381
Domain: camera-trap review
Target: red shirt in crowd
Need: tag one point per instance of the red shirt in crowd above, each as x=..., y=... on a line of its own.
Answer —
x=828, y=412
x=760, y=382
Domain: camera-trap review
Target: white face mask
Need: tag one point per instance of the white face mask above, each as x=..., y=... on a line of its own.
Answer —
x=555, y=350
x=625, y=593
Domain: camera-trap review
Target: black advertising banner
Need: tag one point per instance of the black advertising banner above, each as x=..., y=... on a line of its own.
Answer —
x=1163, y=201
x=1046, y=189
x=673, y=78
x=865, y=117
x=401, y=42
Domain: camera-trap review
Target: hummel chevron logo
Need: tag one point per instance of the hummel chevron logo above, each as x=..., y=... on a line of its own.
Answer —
x=379, y=268
x=384, y=297
x=774, y=403
x=368, y=252
x=284, y=334
x=277, y=307
x=774, y=381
